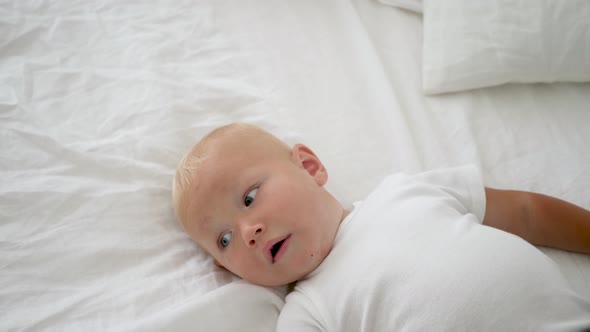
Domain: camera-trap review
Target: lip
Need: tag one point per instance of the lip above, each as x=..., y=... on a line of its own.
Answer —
x=269, y=244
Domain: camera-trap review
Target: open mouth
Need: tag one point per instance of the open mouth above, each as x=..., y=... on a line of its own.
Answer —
x=274, y=251
x=276, y=247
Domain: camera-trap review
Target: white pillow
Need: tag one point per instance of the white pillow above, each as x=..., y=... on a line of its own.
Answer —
x=470, y=44
x=413, y=5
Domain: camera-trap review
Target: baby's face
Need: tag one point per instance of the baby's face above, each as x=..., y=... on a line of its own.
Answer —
x=261, y=213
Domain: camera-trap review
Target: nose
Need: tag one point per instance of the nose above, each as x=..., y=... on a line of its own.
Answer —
x=251, y=232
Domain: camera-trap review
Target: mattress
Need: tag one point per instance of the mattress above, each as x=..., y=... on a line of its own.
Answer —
x=99, y=100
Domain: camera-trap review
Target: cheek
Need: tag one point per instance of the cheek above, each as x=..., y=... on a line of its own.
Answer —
x=241, y=263
x=286, y=196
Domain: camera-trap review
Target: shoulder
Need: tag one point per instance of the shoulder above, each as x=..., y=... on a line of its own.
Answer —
x=462, y=184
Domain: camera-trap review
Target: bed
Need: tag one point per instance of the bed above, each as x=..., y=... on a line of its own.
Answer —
x=99, y=100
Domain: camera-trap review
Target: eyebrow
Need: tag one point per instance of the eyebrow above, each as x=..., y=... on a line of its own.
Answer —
x=203, y=223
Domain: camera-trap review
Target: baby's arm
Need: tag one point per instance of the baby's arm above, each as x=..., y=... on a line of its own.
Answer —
x=539, y=219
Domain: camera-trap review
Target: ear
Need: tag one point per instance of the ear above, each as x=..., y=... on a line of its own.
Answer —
x=302, y=155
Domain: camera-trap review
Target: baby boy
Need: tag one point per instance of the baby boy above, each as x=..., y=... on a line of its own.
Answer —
x=435, y=251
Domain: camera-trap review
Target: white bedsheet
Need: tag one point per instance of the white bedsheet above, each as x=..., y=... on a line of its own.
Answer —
x=98, y=101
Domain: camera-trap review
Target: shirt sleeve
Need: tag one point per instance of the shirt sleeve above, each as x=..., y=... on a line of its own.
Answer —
x=464, y=183
x=297, y=315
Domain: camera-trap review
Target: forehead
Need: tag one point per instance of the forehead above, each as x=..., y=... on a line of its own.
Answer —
x=221, y=174
x=211, y=186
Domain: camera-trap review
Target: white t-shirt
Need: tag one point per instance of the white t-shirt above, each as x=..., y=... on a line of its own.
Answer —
x=414, y=256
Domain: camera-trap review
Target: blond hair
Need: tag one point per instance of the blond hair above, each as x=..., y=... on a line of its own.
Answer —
x=189, y=164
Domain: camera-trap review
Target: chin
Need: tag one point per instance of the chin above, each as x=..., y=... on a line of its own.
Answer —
x=278, y=281
x=269, y=283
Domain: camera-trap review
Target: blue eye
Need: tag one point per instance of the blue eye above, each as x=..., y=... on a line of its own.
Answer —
x=224, y=239
x=249, y=199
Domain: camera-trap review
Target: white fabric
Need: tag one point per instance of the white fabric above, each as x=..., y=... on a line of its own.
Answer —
x=99, y=99
x=413, y=5
x=239, y=306
x=413, y=256
x=472, y=44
